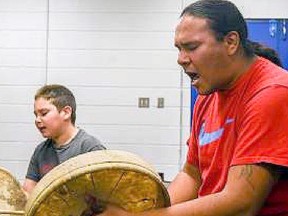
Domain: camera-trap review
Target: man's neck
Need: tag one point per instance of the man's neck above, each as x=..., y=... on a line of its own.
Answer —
x=240, y=67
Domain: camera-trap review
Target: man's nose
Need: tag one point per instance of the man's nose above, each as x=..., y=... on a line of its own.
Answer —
x=183, y=58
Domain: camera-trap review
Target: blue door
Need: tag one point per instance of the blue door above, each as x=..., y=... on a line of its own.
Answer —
x=272, y=33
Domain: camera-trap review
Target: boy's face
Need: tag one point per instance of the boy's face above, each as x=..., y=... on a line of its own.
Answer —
x=48, y=119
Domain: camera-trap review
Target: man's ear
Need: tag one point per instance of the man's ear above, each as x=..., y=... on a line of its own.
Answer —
x=232, y=41
x=66, y=112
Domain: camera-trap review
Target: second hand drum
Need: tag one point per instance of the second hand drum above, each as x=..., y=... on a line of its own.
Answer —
x=12, y=197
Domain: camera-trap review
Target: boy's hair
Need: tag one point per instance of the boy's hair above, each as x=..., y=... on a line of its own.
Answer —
x=223, y=17
x=59, y=96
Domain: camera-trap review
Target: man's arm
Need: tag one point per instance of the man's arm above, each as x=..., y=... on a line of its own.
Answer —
x=245, y=192
x=186, y=185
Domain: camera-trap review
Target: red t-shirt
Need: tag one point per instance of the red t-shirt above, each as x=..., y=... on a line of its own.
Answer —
x=247, y=124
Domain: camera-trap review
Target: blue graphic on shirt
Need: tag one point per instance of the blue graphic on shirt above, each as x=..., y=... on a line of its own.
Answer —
x=207, y=138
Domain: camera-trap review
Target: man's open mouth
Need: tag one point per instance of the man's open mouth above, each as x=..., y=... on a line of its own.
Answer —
x=194, y=77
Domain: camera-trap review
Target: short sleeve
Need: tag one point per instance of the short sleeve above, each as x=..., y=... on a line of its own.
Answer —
x=263, y=128
x=192, y=154
x=91, y=143
x=33, y=170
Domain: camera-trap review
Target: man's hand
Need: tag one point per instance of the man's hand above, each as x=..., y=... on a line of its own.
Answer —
x=94, y=206
x=111, y=210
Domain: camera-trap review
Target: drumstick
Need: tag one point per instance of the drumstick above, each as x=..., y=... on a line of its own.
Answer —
x=12, y=212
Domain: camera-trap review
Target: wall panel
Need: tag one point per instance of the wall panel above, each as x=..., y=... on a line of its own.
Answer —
x=122, y=97
x=23, y=30
x=118, y=135
x=117, y=77
x=114, y=5
x=112, y=53
x=19, y=132
x=112, y=59
x=95, y=40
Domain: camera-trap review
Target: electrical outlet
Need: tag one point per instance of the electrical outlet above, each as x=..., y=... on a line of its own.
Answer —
x=143, y=102
x=160, y=103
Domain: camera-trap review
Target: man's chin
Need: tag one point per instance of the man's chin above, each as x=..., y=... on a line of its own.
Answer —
x=205, y=91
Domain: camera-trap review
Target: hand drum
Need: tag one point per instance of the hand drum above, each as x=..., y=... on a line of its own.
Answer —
x=115, y=177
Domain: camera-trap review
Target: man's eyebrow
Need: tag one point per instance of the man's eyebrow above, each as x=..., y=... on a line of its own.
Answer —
x=186, y=44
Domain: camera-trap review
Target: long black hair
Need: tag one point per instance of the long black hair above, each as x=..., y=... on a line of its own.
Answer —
x=223, y=17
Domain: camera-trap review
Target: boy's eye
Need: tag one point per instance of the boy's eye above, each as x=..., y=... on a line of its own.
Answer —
x=43, y=114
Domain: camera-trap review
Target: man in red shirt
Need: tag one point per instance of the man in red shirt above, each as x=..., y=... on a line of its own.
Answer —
x=238, y=149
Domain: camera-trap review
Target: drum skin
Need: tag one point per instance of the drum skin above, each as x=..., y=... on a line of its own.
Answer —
x=111, y=176
x=12, y=197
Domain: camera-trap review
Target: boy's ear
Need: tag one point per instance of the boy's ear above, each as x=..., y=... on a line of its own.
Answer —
x=66, y=112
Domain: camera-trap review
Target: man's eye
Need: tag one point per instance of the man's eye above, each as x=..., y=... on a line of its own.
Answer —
x=191, y=48
x=178, y=48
